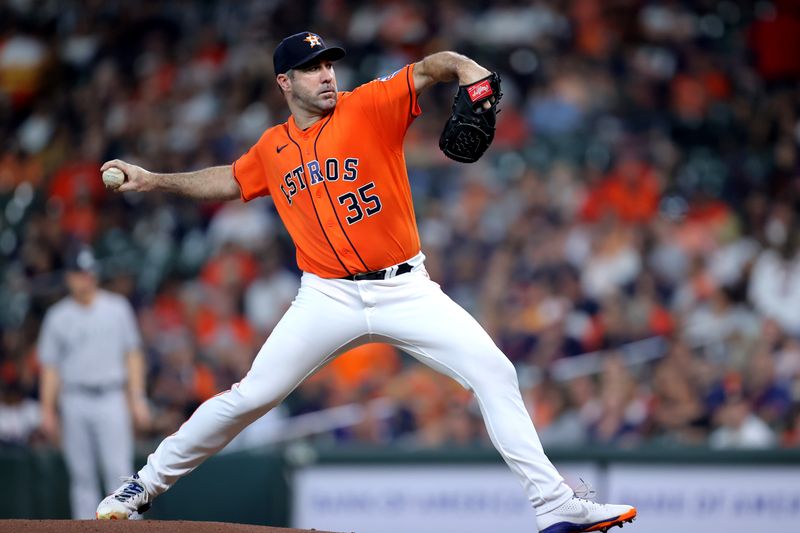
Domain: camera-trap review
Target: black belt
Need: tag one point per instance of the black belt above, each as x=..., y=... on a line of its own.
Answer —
x=402, y=268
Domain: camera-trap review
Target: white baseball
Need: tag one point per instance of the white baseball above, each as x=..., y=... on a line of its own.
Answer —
x=113, y=177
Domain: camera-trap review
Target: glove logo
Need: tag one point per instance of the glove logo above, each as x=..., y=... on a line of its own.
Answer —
x=479, y=90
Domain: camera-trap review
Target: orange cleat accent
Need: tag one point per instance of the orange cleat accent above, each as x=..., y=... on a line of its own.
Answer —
x=619, y=521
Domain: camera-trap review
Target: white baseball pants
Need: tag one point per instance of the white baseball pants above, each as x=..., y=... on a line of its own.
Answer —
x=329, y=317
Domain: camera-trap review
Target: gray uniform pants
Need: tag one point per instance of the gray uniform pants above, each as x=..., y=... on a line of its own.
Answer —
x=96, y=436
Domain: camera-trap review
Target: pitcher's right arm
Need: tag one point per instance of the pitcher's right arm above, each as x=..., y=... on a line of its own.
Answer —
x=213, y=183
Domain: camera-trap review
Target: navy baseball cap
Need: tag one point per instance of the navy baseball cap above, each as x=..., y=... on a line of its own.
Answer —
x=81, y=259
x=301, y=49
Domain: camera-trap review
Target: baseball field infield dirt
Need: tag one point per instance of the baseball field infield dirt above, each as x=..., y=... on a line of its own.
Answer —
x=136, y=526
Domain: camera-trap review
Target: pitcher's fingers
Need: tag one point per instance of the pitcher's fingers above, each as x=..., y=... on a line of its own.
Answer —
x=126, y=187
x=122, y=165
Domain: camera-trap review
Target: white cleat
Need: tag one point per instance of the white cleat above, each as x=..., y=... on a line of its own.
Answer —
x=578, y=515
x=126, y=503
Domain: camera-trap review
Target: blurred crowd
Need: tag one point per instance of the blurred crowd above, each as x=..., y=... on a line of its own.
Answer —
x=644, y=182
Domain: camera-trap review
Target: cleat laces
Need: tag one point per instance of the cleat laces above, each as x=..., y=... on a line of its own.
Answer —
x=131, y=490
x=585, y=491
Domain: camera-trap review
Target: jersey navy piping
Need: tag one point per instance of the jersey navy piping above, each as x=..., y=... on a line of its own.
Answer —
x=333, y=207
x=311, y=197
x=410, y=94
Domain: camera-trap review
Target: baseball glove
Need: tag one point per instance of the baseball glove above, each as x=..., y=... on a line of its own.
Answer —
x=470, y=130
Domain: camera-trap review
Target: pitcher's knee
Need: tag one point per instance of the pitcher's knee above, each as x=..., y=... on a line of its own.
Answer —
x=495, y=367
x=501, y=368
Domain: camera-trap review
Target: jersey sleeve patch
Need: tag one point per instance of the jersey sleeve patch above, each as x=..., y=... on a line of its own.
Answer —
x=390, y=76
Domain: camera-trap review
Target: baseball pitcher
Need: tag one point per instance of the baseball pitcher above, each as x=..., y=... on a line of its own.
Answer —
x=336, y=172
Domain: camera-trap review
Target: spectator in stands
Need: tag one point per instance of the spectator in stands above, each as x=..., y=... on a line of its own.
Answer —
x=19, y=416
x=738, y=427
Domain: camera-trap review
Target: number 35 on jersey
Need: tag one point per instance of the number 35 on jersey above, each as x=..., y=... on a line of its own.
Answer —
x=359, y=203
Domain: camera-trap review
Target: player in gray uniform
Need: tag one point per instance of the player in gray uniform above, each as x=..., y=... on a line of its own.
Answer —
x=93, y=376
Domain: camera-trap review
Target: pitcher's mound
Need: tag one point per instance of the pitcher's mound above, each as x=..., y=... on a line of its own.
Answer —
x=136, y=526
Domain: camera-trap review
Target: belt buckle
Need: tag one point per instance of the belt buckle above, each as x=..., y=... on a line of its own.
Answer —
x=366, y=276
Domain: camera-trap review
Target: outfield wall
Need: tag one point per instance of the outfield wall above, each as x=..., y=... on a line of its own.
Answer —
x=692, y=491
x=467, y=490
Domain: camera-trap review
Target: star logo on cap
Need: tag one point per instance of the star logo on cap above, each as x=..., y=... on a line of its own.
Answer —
x=313, y=40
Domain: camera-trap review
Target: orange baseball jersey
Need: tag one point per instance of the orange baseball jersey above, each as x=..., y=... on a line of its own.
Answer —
x=341, y=186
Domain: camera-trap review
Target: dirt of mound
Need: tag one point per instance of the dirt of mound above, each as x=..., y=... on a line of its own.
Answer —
x=136, y=526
